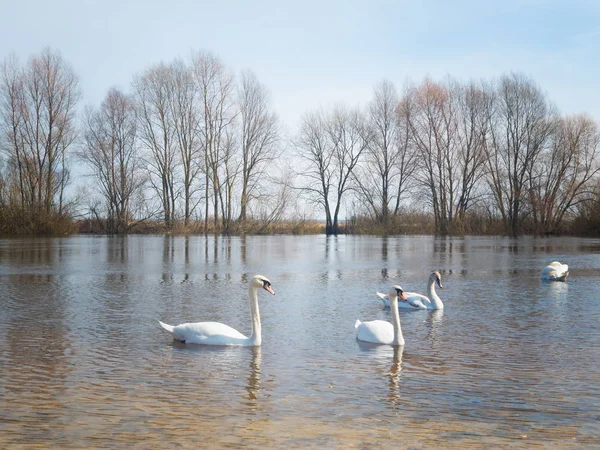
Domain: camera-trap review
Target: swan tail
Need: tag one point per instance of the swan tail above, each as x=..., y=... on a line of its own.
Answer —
x=384, y=299
x=357, y=324
x=169, y=328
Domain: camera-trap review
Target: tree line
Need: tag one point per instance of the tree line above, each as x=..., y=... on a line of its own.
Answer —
x=498, y=151
x=192, y=145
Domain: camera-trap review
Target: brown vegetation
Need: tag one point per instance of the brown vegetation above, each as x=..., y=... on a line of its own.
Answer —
x=252, y=227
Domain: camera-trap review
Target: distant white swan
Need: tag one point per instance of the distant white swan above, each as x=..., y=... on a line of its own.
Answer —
x=215, y=333
x=380, y=331
x=555, y=271
x=418, y=301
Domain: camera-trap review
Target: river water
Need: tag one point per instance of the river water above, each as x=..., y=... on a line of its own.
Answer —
x=511, y=362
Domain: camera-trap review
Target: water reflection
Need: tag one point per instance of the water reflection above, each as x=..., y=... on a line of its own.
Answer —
x=243, y=248
x=384, y=248
x=388, y=361
x=36, y=352
x=168, y=259
x=384, y=258
x=253, y=387
x=116, y=249
x=186, y=256
x=26, y=252
x=395, y=397
x=84, y=363
x=433, y=323
x=217, y=367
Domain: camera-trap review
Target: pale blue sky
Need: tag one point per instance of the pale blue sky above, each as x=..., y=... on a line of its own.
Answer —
x=317, y=53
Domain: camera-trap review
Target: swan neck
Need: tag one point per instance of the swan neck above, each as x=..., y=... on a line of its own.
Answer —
x=436, y=301
x=398, y=338
x=256, y=335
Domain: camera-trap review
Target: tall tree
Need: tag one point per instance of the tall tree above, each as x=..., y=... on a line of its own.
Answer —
x=259, y=137
x=472, y=103
x=315, y=150
x=230, y=171
x=521, y=123
x=153, y=93
x=38, y=121
x=374, y=179
x=447, y=124
x=215, y=86
x=185, y=112
x=433, y=129
x=110, y=149
x=331, y=147
x=563, y=176
x=407, y=161
x=384, y=177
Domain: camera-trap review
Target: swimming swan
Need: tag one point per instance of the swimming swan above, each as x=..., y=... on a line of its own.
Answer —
x=418, y=301
x=215, y=333
x=380, y=331
x=555, y=271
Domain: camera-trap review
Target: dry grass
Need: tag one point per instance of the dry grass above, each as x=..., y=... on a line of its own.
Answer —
x=12, y=222
x=17, y=222
x=256, y=227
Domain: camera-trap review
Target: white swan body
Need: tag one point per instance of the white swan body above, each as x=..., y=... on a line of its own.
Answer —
x=419, y=301
x=215, y=333
x=413, y=301
x=380, y=331
x=555, y=271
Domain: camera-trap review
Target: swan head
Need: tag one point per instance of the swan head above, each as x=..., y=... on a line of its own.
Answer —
x=396, y=291
x=260, y=281
x=437, y=277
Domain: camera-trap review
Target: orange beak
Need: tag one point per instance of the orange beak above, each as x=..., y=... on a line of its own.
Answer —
x=269, y=289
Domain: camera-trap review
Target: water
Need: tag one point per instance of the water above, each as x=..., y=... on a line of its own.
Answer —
x=511, y=362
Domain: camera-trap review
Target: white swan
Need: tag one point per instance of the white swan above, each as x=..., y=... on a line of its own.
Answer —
x=418, y=301
x=555, y=271
x=215, y=333
x=380, y=331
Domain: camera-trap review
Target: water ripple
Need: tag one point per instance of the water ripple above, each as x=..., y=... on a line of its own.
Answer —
x=509, y=363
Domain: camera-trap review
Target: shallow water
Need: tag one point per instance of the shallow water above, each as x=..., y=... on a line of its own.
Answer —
x=511, y=362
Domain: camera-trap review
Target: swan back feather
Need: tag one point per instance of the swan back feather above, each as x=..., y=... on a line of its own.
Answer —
x=555, y=271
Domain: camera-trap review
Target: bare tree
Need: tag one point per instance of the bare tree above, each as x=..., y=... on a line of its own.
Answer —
x=110, y=149
x=375, y=176
x=316, y=151
x=433, y=129
x=215, y=86
x=259, y=137
x=473, y=101
x=38, y=118
x=447, y=123
x=185, y=112
x=521, y=123
x=389, y=163
x=153, y=93
x=565, y=171
x=270, y=209
x=350, y=134
x=230, y=168
x=407, y=162
x=332, y=147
